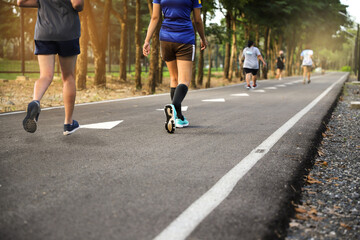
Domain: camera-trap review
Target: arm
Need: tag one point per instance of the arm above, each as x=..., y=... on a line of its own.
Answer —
x=151, y=29
x=28, y=3
x=78, y=5
x=261, y=59
x=200, y=28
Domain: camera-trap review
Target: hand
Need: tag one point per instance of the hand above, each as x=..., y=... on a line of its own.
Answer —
x=203, y=44
x=264, y=64
x=146, y=49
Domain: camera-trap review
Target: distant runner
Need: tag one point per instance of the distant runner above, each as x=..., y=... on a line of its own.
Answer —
x=252, y=56
x=307, y=63
x=177, y=45
x=57, y=31
x=280, y=64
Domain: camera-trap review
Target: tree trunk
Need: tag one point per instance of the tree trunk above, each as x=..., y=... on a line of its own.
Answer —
x=81, y=66
x=267, y=57
x=200, y=75
x=210, y=65
x=227, y=46
x=99, y=42
x=138, y=47
x=234, y=48
x=123, y=42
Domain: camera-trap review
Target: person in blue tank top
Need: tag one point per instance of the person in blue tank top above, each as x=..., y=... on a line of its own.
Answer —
x=177, y=48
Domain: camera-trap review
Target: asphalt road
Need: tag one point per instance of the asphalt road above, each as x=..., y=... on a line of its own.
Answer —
x=227, y=176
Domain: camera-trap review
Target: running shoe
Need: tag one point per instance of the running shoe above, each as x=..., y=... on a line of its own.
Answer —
x=71, y=128
x=309, y=81
x=248, y=87
x=32, y=116
x=254, y=86
x=170, y=114
x=179, y=123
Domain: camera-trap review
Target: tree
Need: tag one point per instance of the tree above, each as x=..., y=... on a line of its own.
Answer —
x=81, y=66
x=138, y=48
x=99, y=40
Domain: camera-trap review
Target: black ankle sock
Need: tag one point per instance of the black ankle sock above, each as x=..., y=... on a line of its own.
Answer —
x=172, y=92
x=179, y=96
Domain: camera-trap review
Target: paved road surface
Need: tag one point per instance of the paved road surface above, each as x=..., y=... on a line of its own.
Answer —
x=227, y=176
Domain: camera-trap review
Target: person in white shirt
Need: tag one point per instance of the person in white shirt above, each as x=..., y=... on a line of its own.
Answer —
x=252, y=55
x=307, y=63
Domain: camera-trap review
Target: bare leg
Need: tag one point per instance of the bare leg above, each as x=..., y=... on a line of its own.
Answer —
x=277, y=73
x=67, y=65
x=46, y=64
x=254, y=80
x=309, y=72
x=248, y=78
x=184, y=71
x=305, y=72
x=173, y=70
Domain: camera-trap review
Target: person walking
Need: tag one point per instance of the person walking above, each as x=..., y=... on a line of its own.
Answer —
x=307, y=63
x=251, y=55
x=177, y=46
x=280, y=64
x=57, y=31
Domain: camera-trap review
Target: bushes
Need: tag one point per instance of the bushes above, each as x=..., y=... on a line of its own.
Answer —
x=346, y=69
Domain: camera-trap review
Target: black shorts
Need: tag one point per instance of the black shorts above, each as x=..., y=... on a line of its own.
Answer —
x=308, y=67
x=280, y=67
x=63, y=48
x=171, y=51
x=250, y=70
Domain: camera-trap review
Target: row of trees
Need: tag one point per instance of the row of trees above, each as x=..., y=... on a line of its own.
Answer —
x=273, y=25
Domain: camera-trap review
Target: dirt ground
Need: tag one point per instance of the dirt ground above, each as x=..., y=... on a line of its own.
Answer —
x=16, y=94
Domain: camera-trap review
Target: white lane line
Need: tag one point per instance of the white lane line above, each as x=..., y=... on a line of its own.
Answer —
x=271, y=88
x=183, y=109
x=258, y=90
x=184, y=224
x=102, y=125
x=280, y=85
x=214, y=100
x=289, y=83
x=240, y=95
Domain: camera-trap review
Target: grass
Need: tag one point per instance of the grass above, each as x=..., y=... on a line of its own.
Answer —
x=33, y=66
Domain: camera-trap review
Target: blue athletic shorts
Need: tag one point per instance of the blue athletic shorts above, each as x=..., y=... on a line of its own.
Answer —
x=63, y=48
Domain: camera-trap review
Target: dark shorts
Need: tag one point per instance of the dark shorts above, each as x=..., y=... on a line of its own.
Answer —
x=171, y=51
x=63, y=48
x=250, y=70
x=280, y=67
x=308, y=67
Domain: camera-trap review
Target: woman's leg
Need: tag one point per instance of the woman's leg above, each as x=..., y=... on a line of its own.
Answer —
x=278, y=72
x=46, y=64
x=248, y=78
x=67, y=65
x=172, y=67
x=184, y=77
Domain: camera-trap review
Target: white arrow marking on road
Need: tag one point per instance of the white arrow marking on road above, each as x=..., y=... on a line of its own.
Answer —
x=270, y=88
x=281, y=85
x=183, y=109
x=214, y=100
x=103, y=125
x=240, y=95
x=258, y=90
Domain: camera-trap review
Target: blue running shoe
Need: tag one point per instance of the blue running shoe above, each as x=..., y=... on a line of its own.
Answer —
x=170, y=114
x=181, y=123
x=71, y=128
x=32, y=116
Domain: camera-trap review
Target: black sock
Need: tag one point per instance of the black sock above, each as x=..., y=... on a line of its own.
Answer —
x=179, y=96
x=172, y=92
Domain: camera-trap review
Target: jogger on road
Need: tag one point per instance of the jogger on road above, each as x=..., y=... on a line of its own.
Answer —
x=252, y=55
x=57, y=31
x=177, y=47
